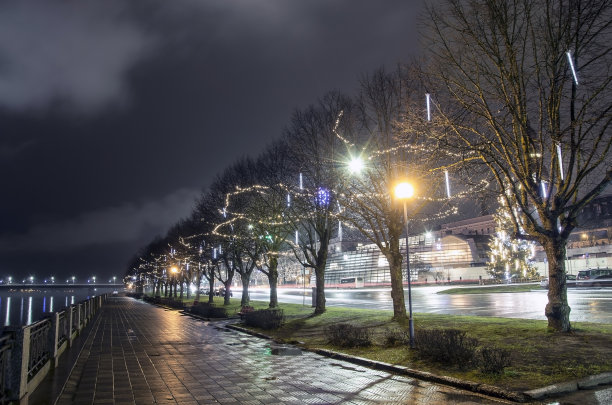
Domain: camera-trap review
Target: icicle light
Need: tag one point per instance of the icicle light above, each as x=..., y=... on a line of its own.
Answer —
x=571, y=63
x=448, y=193
x=560, y=157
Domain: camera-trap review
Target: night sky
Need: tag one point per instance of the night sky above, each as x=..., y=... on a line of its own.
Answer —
x=115, y=115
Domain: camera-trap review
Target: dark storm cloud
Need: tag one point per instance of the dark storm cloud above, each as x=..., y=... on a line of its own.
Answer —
x=125, y=223
x=58, y=50
x=107, y=104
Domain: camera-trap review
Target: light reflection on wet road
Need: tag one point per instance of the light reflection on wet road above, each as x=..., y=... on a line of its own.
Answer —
x=588, y=305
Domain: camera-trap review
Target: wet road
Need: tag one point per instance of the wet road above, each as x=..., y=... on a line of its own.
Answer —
x=588, y=304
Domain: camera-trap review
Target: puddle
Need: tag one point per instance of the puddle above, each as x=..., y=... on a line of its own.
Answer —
x=347, y=367
x=282, y=350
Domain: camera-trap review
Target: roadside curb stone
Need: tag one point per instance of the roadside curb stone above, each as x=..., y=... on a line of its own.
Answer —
x=554, y=389
x=595, y=380
x=571, y=386
x=485, y=389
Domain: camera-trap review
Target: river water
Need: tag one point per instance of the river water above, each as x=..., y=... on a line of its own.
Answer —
x=26, y=306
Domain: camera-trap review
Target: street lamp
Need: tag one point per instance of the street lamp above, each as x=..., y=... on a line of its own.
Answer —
x=355, y=165
x=73, y=280
x=404, y=191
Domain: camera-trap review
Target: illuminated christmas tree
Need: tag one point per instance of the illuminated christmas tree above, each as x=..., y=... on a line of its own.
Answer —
x=510, y=257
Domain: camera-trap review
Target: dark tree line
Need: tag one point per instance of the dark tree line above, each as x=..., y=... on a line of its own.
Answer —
x=517, y=106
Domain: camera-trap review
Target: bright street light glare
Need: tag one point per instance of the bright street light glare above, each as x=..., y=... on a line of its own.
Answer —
x=355, y=165
x=404, y=190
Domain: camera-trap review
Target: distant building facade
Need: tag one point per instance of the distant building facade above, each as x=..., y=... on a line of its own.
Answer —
x=457, y=251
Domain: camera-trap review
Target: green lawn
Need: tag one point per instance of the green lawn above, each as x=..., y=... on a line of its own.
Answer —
x=539, y=357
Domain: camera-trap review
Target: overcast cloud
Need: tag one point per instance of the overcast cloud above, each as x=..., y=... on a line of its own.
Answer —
x=114, y=112
x=52, y=51
x=125, y=223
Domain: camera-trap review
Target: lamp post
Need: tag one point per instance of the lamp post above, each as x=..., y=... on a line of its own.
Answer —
x=174, y=270
x=404, y=191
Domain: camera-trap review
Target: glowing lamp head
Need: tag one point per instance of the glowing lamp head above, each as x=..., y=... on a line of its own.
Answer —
x=355, y=165
x=174, y=269
x=404, y=191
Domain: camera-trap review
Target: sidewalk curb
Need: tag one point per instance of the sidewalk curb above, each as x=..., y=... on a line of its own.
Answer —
x=486, y=389
x=571, y=386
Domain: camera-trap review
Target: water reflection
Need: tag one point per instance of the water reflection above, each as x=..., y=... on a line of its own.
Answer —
x=7, y=322
x=39, y=303
x=588, y=305
x=30, y=309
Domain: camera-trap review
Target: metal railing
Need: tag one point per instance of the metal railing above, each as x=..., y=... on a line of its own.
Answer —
x=6, y=344
x=27, y=353
x=39, y=347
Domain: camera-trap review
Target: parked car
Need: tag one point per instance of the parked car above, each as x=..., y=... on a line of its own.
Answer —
x=570, y=281
x=595, y=278
x=115, y=293
x=221, y=292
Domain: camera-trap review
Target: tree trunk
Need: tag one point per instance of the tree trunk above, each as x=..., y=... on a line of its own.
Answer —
x=397, y=289
x=557, y=310
x=182, y=283
x=226, y=297
x=199, y=282
x=320, y=283
x=211, y=289
x=273, y=280
x=158, y=289
x=397, y=281
x=244, y=301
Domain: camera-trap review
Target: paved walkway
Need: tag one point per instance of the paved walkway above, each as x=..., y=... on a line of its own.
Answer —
x=140, y=354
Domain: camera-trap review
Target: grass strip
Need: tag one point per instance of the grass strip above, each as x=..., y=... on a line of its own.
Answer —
x=539, y=357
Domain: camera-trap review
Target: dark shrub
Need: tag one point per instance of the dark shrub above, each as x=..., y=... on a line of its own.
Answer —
x=347, y=335
x=448, y=346
x=208, y=311
x=394, y=337
x=493, y=360
x=270, y=318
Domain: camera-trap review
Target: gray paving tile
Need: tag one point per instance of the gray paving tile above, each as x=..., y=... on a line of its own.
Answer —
x=141, y=354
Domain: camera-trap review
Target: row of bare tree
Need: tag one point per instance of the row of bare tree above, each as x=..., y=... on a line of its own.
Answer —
x=511, y=100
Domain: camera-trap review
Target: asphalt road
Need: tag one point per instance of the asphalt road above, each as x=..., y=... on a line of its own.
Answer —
x=588, y=304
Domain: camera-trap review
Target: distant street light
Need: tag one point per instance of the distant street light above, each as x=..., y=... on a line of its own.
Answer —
x=73, y=280
x=404, y=191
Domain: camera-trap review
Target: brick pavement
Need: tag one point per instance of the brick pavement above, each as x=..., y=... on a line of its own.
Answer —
x=142, y=354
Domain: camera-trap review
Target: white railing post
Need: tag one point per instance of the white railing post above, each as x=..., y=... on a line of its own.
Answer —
x=54, y=337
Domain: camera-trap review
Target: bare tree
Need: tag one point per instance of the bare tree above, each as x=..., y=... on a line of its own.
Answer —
x=523, y=88
x=317, y=150
x=265, y=215
x=369, y=204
